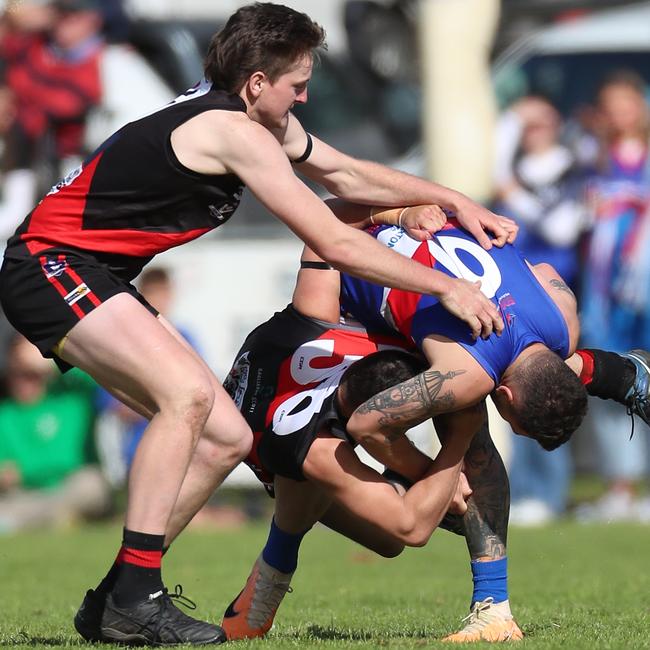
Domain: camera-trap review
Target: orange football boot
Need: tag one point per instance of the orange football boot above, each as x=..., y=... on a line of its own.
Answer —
x=488, y=621
x=251, y=614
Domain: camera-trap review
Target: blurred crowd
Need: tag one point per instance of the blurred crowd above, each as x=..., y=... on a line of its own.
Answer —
x=67, y=82
x=578, y=185
x=580, y=189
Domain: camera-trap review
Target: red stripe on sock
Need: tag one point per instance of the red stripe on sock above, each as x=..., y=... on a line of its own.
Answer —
x=587, y=372
x=147, y=559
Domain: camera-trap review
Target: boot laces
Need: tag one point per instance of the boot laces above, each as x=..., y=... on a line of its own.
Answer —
x=177, y=597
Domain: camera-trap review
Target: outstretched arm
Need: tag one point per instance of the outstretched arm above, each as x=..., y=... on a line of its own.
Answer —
x=363, y=181
x=254, y=155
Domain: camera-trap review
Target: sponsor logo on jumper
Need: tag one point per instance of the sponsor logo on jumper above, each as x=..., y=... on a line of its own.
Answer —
x=77, y=293
x=67, y=180
x=216, y=213
x=395, y=238
x=236, y=382
x=223, y=213
x=505, y=302
x=54, y=268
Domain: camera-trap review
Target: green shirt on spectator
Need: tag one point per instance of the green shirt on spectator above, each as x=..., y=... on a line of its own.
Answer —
x=49, y=439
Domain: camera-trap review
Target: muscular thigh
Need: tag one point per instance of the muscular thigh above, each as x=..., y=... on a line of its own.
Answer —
x=298, y=504
x=225, y=423
x=127, y=350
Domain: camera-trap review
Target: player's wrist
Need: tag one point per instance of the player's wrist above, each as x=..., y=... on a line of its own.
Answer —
x=382, y=216
x=458, y=202
x=441, y=284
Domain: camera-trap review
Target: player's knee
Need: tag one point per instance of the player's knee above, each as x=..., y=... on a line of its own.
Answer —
x=193, y=402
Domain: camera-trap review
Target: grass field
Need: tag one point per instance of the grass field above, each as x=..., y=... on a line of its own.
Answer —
x=570, y=586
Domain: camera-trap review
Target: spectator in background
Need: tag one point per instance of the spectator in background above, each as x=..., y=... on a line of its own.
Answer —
x=72, y=89
x=616, y=282
x=17, y=195
x=18, y=185
x=117, y=24
x=17, y=179
x=45, y=442
x=537, y=184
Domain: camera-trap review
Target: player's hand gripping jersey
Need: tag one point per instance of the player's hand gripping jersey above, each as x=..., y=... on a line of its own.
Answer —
x=529, y=314
x=284, y=380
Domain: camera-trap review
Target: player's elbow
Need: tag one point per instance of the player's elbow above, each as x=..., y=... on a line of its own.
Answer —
x=414, y=532
x=409, y=532
x=418, y=538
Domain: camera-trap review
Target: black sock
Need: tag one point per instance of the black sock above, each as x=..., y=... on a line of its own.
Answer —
x=139, y=574
x=613, y=376
x=108, y=582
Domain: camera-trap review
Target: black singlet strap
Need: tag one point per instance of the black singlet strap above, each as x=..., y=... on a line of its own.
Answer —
x=320, y=266
x=307, y=152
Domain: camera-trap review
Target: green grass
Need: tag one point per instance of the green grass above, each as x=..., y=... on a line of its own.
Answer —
x=571, y=586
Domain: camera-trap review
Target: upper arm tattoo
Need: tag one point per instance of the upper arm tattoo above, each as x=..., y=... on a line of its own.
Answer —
x=560, y=285
x=414, y=400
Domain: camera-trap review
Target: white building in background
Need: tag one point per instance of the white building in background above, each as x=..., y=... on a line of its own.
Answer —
x=328, y=13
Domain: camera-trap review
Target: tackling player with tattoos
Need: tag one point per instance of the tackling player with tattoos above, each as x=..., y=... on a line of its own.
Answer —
x=284, y=381
x=484, y=522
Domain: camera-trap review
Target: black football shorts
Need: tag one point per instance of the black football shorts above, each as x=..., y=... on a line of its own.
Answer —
x=44, y=296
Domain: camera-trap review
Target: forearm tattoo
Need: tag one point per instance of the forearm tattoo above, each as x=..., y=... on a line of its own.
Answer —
x=560, y=285
x=412, y=401
x=485, y=524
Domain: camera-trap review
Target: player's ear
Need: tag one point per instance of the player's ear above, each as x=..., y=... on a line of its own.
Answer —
x=256, y=83
x=505, y=393
x=340, y=402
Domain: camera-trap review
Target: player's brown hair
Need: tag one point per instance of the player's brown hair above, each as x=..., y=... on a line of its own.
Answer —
x=550, y=400
x=261, y=36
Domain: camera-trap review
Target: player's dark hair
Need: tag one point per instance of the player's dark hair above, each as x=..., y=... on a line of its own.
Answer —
x=550, y=399
x=261, y=36
x=379, y=371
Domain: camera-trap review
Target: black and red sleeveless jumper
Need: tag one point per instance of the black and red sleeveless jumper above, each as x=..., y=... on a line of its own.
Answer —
x=132, y=198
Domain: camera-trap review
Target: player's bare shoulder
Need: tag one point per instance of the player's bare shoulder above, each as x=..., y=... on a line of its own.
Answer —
x=562, y=296
x=210, y=142
x=553, y=282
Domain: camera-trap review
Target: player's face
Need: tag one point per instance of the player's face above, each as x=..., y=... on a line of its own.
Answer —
x=278, y=98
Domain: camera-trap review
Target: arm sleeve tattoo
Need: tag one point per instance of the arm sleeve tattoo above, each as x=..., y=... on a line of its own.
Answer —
x=413, y=401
